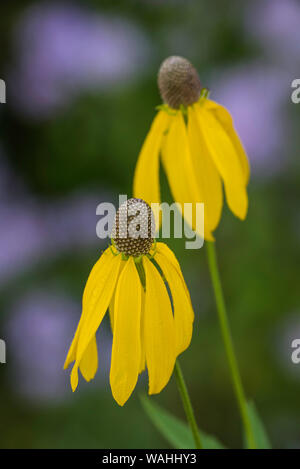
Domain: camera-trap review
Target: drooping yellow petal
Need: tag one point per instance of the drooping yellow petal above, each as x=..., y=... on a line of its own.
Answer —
x=74, y=377
x=159, y=332
x=112, y=301
x=226, y=160
x=98, y=271
x=183, y=311
x=126, y=349
x=111, y=310
x=89, y=362
x=163, y=249
x=167, y=252
x=206, y=173
x=96, y=304
x=71, y=356
x=146, y=176
x=143, y=353
x=180, y=171
x=225, y=118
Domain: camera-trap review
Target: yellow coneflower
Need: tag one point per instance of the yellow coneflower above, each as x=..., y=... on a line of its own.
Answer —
x=150, y=308
x=199, y=148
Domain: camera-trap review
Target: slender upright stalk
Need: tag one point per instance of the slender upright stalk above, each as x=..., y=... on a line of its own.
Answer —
x=225, y=329
x=187, y=405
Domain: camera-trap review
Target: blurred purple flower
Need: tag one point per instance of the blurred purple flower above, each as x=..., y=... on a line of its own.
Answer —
x=71, y=223
x=255, y=96
x=21, y=238
x=34, y=232
x=275, y=23
x=64, y=49
x=38, y=333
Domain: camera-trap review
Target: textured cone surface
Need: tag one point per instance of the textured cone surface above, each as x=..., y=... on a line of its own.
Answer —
x=134, y=228
x=178, y=82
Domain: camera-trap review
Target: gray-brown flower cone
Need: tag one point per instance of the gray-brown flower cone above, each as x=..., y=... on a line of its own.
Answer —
x=178, y=82
x=134, y=228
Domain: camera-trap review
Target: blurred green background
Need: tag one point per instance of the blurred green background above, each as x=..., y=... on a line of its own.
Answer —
x=81, y=95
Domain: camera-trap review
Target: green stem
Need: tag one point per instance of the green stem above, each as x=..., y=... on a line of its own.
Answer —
x=225, y=329
x=187, y=405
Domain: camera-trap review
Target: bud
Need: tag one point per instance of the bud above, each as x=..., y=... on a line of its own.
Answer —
x=134, y=228
x=178, y=82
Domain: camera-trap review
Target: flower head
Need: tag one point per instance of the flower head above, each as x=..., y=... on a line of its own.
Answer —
x=178, y=82
x=137, y=239
x=199, y=148
x=149, y=304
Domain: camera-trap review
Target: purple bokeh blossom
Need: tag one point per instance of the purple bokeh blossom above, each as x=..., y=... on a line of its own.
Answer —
x=35, y=231
x=63, y=49
x=38, y=334
x=255, y=95
x=275, y=25
x=39, y=326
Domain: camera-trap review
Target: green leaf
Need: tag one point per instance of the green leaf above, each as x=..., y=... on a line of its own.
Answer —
x=174, y=430
x=261, y=438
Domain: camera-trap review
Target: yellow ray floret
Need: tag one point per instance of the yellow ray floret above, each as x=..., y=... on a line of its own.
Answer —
x=200, y=150
x=151, y=326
